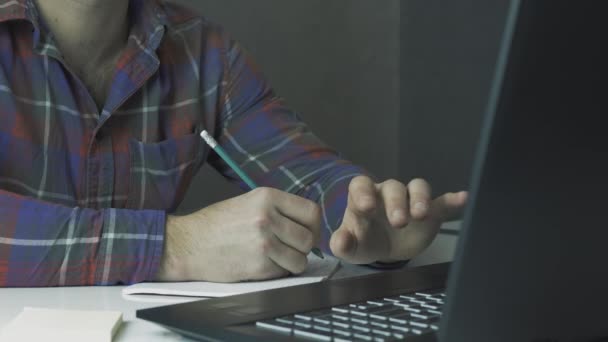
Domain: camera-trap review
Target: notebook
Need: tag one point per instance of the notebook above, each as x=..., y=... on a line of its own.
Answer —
x=318, y=270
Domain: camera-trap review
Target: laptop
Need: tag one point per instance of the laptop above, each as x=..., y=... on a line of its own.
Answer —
x=531, y=262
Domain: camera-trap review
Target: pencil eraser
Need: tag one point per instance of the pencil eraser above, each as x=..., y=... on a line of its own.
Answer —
x=38, y=324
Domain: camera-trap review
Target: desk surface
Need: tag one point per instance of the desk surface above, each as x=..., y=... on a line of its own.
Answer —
x=110, y=298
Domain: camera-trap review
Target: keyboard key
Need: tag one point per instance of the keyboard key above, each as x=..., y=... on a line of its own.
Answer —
x=363, y=337
x=407, y=297
x=399, y=328
x=413, y=310
x=359, y=321
x=275, y=326
x=423, y=294
x=405, y=305
x=360, y=328
x=360, y=313
x=434, y=312
x=419, y=324
x=304, y=317
x=434, y=300
x=312, y=334
x=322, y=319
x=324, y=328
x=302, y=325
x=421, y=331
x=343, y=333
x=379, y=302
x=402, y=318
x=363, y=306
x=381, y=332
x=422, y=316
x=430, y=306
x=385, y=314
x=341, y=309
x=285, y=320
x=382, y=309
x=379, y=325
x=340, y=325
x=340, y=317
x=339, y=339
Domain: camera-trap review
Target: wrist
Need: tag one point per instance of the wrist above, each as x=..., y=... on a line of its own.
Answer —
x=170, y=266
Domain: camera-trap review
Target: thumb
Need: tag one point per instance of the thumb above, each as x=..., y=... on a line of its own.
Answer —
x=449, y=207
x=343, y=244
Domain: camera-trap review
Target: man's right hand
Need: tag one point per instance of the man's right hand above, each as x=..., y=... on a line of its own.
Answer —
x=263, y=234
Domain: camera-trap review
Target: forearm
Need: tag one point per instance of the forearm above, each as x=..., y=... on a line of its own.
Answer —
x=45, y=244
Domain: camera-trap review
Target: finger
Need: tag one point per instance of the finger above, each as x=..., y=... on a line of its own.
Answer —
x=362, y=195
x=394, y=195
x=305, y=212
x=295, y=235
x=359, y=240
x=286, y=257
x=450, y=206
x=268, y=270
x=419, y=192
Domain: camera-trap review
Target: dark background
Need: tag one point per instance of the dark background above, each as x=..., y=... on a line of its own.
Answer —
x=397, y=86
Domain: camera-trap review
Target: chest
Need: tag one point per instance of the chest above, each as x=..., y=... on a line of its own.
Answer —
x=143, y=155
x=97, y=80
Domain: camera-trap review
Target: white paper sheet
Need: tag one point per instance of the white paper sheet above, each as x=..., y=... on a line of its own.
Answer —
x=318, y=270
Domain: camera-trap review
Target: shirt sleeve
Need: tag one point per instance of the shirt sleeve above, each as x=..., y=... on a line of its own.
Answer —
x=83, y=247
x=272, y=144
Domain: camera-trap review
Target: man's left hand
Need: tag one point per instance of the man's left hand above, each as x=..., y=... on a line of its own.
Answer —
x=391, y=221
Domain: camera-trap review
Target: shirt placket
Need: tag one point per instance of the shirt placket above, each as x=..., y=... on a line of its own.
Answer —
x=93, y=186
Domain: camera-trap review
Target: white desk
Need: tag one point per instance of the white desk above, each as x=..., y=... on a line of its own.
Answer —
x=12, y=301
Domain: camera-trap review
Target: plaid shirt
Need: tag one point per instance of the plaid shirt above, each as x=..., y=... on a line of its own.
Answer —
x=84, y=193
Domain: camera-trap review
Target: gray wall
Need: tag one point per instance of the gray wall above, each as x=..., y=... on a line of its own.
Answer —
x=448, y=55
x=407, y=77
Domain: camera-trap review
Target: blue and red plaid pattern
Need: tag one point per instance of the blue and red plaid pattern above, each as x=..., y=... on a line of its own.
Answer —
x=84, y=192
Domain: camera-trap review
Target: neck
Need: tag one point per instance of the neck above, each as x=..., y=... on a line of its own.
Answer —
x=87, y=31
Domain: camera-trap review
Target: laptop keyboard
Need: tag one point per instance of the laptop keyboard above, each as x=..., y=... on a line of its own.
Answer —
x=386, y=319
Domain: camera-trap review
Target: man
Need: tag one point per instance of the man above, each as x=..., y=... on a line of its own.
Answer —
x=101, y=103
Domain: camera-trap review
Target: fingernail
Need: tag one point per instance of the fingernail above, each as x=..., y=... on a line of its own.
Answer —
x=420, y=206
x=398, y=215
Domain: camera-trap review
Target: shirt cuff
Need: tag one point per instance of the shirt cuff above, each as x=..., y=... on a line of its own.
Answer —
x=158, y=247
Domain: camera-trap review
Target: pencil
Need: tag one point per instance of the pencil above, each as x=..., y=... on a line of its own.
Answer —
x=250, y=183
